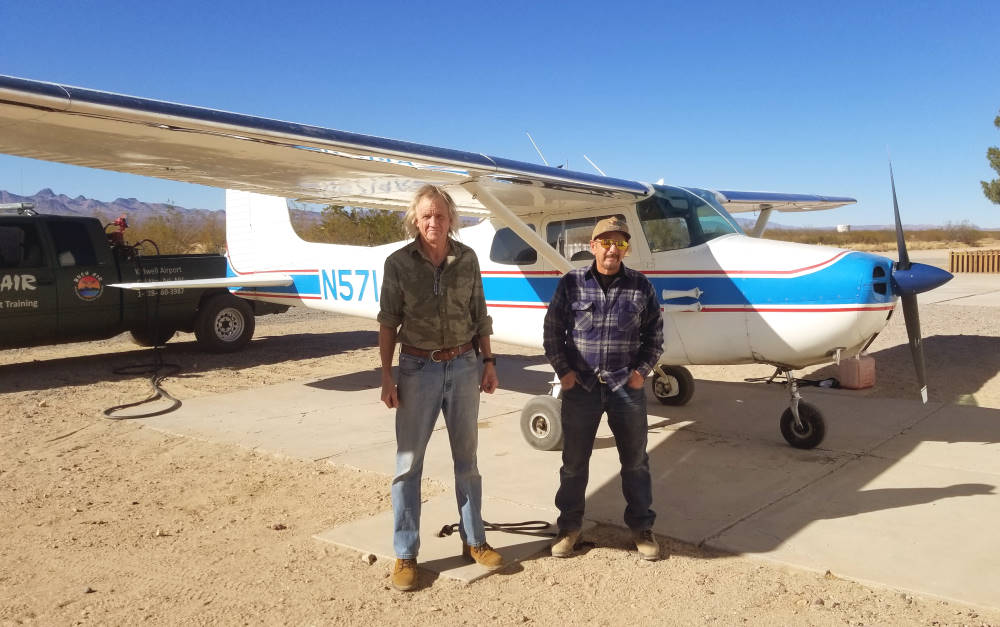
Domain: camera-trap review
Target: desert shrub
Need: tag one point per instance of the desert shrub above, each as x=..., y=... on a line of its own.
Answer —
x=356, y=226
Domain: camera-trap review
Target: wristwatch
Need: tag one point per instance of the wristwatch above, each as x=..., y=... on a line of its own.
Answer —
x=490, y=360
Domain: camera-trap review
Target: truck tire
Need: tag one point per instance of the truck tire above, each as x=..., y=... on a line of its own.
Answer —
x=149, y=337
x=225, y=324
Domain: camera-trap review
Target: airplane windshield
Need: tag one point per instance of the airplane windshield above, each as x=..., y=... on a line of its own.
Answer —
x=675, y=218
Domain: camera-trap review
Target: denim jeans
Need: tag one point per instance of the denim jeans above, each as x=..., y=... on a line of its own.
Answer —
x=426, y=389
x=581, y=415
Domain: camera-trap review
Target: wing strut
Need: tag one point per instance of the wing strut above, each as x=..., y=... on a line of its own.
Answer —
x=517, y=225
x=761, y=224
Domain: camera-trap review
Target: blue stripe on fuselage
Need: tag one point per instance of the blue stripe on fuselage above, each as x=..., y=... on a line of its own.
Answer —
x=846, y=281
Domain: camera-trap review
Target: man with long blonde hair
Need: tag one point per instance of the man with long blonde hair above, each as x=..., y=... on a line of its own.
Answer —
x=433, y=304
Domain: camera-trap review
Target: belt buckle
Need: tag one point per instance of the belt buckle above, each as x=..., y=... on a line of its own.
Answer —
x=435, y=352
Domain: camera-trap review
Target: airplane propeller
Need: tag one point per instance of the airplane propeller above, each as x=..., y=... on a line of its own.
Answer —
x=910, y=279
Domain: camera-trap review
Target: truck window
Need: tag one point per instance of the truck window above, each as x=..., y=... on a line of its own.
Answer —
x=20, y=246
x=72, y=244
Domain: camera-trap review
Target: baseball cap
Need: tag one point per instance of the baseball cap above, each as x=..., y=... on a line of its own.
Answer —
x=607, y=225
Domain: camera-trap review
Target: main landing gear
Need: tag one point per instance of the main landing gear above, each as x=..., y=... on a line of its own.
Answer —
x=802, y=424
x=541, y=418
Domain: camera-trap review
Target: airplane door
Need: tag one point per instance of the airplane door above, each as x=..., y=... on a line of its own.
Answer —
x=27, y=285
x=703, y=308
x=87, y=307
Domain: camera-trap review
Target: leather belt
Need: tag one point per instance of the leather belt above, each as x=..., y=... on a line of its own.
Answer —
x=438, y=354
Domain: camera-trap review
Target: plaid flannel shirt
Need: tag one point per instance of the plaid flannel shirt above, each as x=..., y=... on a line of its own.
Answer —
x=603, y=337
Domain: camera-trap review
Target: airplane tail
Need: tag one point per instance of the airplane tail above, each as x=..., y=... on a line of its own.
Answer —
x=259, y=233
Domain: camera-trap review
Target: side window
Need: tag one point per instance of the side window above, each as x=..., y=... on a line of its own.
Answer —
x=508, y=248
x=72, y=242
x=19, y=246
x=572, y=237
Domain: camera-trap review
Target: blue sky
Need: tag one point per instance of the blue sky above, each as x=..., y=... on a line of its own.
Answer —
x=777, y=96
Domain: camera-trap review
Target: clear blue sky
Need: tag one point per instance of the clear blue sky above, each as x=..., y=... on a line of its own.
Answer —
x=774, y=96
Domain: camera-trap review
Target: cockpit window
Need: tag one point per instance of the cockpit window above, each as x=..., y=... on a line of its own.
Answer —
x=675, y=218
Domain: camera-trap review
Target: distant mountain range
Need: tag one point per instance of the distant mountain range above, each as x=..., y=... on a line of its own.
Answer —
x=47, y=201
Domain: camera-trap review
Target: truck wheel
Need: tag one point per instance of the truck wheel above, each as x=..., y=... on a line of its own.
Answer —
x=225, y=324
x=147, y=337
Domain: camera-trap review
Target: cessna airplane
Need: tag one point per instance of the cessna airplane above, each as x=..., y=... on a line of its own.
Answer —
x=727, y=297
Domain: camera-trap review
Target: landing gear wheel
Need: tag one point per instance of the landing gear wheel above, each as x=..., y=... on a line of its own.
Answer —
x=676, y=388
x=810, y=433
x=541, y=423
x=225, y=324
x=146, y=337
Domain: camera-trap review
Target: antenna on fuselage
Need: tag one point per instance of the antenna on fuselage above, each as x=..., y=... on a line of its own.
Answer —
x=595, y=165
x=536, y=148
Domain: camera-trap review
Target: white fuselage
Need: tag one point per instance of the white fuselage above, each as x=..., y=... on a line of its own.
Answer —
x=732, y=300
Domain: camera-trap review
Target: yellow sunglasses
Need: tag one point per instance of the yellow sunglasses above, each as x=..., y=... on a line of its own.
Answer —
x=607, y=243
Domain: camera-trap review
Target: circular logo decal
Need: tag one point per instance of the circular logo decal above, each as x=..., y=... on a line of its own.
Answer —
x=88, y=286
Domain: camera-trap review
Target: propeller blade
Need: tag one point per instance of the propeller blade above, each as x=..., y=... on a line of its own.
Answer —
x=904, y=257
x=909, y=280
x=911, y=315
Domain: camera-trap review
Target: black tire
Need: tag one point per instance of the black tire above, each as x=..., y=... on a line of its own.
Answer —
x=147, y=337
x=225, y=324
x=677, y=389
x=813, y=428
x=541, y=423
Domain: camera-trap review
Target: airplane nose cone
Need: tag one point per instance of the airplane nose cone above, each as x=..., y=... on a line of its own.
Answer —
x=918, y=278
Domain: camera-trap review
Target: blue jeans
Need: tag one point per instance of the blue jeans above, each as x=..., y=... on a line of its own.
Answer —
x=581, y=415
x=426, y=389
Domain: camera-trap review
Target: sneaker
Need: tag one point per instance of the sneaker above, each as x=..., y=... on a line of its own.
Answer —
x=404, y=575
x=484, y=555
x=565, y=543
x=645, y=543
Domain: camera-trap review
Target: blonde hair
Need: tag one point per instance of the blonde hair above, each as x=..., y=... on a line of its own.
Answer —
x=430, y=191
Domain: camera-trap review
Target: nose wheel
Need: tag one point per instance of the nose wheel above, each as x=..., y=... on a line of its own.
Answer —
x=802, y=424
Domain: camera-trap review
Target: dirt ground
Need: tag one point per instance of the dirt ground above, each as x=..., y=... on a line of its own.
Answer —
x=108, y=522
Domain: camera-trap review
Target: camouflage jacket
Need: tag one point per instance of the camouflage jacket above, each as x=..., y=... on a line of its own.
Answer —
x=434, y=307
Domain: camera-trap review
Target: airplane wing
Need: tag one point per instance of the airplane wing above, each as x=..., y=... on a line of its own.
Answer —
x=229, y=150
x=249, y=281
x=739, y=202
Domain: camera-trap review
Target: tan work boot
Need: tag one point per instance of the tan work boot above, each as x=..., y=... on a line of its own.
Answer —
x=565, y=543
x=404, y=575
x=484, y=555
x=646, y=544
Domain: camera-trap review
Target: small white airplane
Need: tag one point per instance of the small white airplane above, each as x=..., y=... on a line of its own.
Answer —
x=727, y=297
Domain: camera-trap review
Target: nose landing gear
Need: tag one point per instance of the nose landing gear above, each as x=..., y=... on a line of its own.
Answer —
x=801, y=424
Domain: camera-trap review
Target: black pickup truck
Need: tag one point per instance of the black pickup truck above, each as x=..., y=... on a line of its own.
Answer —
x=55, y=278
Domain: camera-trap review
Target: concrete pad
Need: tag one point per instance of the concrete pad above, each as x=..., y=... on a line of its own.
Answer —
x=900, y=494
x=905, y=525
x=291, y=419
x=982, y=290
x=443, y=555
x=915, y=514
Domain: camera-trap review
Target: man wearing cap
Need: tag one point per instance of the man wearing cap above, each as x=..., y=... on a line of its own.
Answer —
x=432, y=303
x=603, y=336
